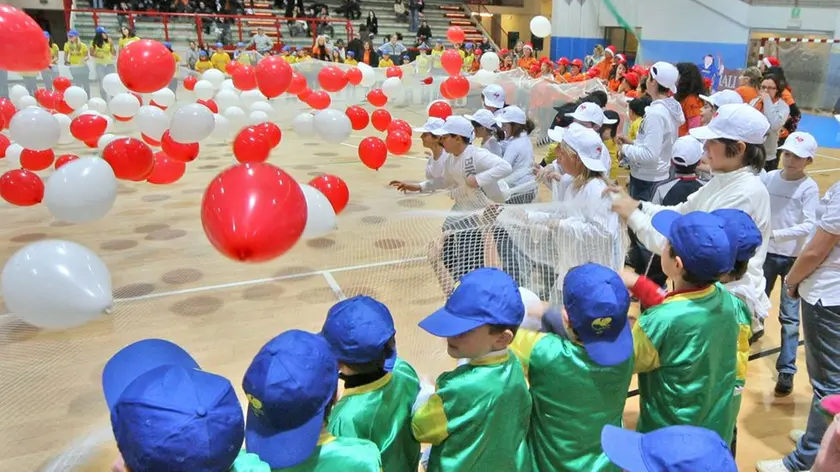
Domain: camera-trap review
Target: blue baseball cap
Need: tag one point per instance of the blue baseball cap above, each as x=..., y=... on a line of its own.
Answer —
x=72, y=33
x=350, y=54
x=700, y=239
x=483, y=296
x=357, y=330
x=671, y=449
x=240, y=45
x=743, y=234
x=596, y=303
x=289, y=385
x=167, y=44
x=47, y=34
x=287, y=48
x=101, y=29
x=220, y=45
x=167, y=413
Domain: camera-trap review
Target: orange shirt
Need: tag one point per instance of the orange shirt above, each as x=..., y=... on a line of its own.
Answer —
x=526, y=63
x=574, y=78
x=366, y=57
x=747, y=93
x=788, y=98
x=631, y=94
x=614, y=84
x=605, y=67
x=691, y=106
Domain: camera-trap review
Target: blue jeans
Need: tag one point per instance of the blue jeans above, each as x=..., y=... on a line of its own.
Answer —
x=642, y=190
x=821, y=330
x=777, y=266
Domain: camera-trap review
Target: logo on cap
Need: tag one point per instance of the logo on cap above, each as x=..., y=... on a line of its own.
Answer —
x=715, y=115
x=583, y=107
x=256, y=404
x=598, y=149
x=800, y=139
x=599, y=325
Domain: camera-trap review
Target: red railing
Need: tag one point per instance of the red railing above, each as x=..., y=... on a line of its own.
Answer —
x=240, y=22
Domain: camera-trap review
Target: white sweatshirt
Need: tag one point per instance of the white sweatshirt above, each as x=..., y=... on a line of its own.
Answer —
x=793, y=206
x=519, y=153
x=740, y=189
x=649, y=156
x=488, y=169
x=776, y=113
x=492, y=144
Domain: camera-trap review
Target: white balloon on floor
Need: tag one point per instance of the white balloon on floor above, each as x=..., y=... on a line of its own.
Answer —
x=75, y=97
x=264, y=107
x=392, y=87
x=151, y=121
x=257, y=117
x=221, y=128
x=124, y=105
x=104, y=141
x=484, y=77
x=250, y=97
x=303, y=124
x=13, y=155
x=204, y=90
x=541, y=26
x=56, y=284
x=214, y=76
x=35, y=129
x=226, y=98
x=113, y=85
x=332, y=126
x=26, y=102
x=191, y=123
x=164, y=97
x=320, y=219
x=490, y=61
x=97, y=104
x=16, y=93
x=236, y=118
x=64, y=126
x=227, y=84
x=81, y=191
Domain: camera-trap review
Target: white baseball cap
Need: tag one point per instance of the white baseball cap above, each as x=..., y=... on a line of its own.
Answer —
x=457, y=125
x=724, y=97
x=494, y=96
x=430, y=125
x=586, y=143
x=483, y=117
x=666, y=75
x=739, y=122
x=590, y=113
x=687, y=151
x=801, y=144
x=511, y=114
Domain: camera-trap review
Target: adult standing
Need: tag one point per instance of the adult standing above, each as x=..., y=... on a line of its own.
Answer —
x=76, y=56
x=261, y=42
x=777, y=111
x=103, y=51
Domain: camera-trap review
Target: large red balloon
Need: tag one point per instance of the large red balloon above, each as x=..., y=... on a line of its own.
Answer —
x=184, y=152
x=189, y=82
x=332, y=79
x=36, y=160
x=377, y=98
x=455, y=34
x=444, y=92
x=21, y=187
x=7, y=111
x=61, y=83
x=271, y=132
x=399, y=125
x=145, y=66
x=244, y=78
x=458, y=86
x=440, y=109
x=274, y=75
x=4, y=143
x=373, y=152
x=380, y=119
x=23, y=47
x=150, y=141
x=64, y=159
x=334, y=189
x=319, y=100
x=88, y=128
x=63, y=107
x=166, y=170
x=398, y=142
x=130, y=158
x=359, y=118
x=451, y=62
x=253, y=212
x=354, y=76
x=394, y=71
x=297, y=85
x=251, y=145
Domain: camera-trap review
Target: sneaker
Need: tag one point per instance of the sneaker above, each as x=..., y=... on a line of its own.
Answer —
x=784, y=385
x=795, y=435
x=772, y=466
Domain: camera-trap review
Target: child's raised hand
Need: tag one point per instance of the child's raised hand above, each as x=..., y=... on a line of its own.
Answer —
x=629, y=277
x=405, y=186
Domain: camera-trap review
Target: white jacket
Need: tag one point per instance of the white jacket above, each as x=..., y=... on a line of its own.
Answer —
x=740, y=189
x=777, y=114
x=649, y=156
x=488, y=169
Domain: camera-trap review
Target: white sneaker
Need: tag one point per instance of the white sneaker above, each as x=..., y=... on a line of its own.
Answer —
x=795, y=435
x=771, y=466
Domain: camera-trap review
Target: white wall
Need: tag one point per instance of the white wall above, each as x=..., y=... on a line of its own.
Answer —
x=36, y=4
x=576, y=20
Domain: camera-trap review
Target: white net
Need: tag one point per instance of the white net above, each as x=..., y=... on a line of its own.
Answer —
x=170, y=283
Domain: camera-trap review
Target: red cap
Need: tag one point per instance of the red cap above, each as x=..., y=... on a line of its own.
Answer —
x=632, y=79
x=529, y=46
x=771, y=61
x=610, y=49
x=593, y=72
x=621, y=58
x=563, y=61
x=577, y=62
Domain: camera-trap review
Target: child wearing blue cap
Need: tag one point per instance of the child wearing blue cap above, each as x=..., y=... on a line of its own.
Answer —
x=350, y=58
x=478, y=416
x=592, y=367
x=168, y=414
x=379, y=387
x=291, y=386
x=220, y=59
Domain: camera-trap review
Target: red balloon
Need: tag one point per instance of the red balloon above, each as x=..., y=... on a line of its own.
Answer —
x=399, y=125
x=123, y=119
x=398, y=142
x=36, y=160
x=394, y=71
x=93, y=144
x=458, y=86
x=444, y=92
x=318, y=100
x=189, y=82
x=253, y=212
x=63, y=107
x=428, y=81
x=211, y=104
x=298, y=84
x=373, y=152
x=251, y=145
x=304, y=94
x=271, y=132
x=23, y=47
x=244, y=78
x=334, y=189
x=455, y=34
x=359, y=118
x=232, y=67
x=4, y=143
x=274, y=75
x=440, y=110
x=61, y=83
x=380, y=119
x=377, y=98
x=64, y=159
x=145, y=66
x=354, y=76
x=166, y=170
x=7, y=111
x=21, y=187
x=184, y=152
x=88, y=128
x=130, y=158
x=332, y=79
x=49, y=99
x=150, y=141
x=451, y=62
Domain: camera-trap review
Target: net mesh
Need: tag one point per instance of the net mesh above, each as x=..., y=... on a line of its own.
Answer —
x=170, y=283
x=807, y=68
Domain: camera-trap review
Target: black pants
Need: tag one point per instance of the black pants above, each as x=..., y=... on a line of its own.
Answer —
x=463, y=252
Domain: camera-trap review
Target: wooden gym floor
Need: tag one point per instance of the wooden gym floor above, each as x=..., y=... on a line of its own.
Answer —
x=169, y=282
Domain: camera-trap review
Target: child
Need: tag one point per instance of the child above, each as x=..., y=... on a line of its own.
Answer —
x=716, y=100
x=519, y=153
x=608, y=133
x=591, y=115
x=286, y=54
x=488, y=130
x=637, y=114
x=674, y=448
x=351, y=59
x=203, y=63
x=478, y=416
x=629, y=84
x=437, y=159
x=574, y=74
x=593, y=361
x=386, y=60
x=291, y=387
x=155, y=391
x=794, y=198
x=406, y=60
x=220, y=58
x=379, y=387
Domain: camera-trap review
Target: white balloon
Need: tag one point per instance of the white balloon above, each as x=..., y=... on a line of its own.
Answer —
x=104, y=140
x=81, y=191
x=540, y=26
x=227, y=84
x=332, y=126
x=530, y=299
x=75, y=97
x=124, y=105
x=35, y=129
x=320, y=219
x=490, y=61
x=250, y=97
x=16, y=93
x=264, y=107
x=237, y=118
x=214, y=76
x=203, y=90
x=113, y=85
x=64, y=126
x=80, y=111
x=151, y=121
x=13, y=155
x=26, y=102
x=257, y=117
x=56, y=284
x=392, y=87
x=304, y=124
x=221, y=129
x=191, y=123
x=484, y=77
x=164, y=97
x=97, y=105
x=368, y=75
x=226, y=98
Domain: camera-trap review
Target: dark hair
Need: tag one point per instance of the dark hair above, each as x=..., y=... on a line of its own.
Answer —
x=130, y=32
x=690, y=81
x=777, y=71
x=778, y=80
x=378, y=364
x=561, y=119
x=739, y=270
x=612, y=115
x=685, y=169
x=598, y=96
x=690, y=278
x=500, y=328
x=98, y=40
x=465, y=139
x=494, y=130
x=516, y=129
x=638, y=105
x=754, y=154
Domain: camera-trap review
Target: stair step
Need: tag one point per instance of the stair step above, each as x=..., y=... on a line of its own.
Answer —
x=260, y=22
x=461, y=16
x=460, y=23
x=451, y=7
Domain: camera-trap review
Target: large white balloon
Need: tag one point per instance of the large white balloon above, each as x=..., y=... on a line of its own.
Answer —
x=227, y=84
x=113, y=85
x=250, y=97
x=26, y=102
x=221, y=129
x=264, y=107
x=104, y=141
x=237, y=118
x=484, y=77
x=214, y=76
x=541, y=26
x=16, y=93
x=164, y=97
x=392, y=87
x=81, y=191
x=97, y=104
x=304, y=124
x=124, y=105
x=64, y=126
x=203, y=90
x=56, y=284
x=332, y=126
x=226, y=98
x=151, y=121
x=191, y=123
x=35, y=129
x=257, y=117
x=13, y=155
x=320, y=219
x=368, y=75
x=490, y=61
x=75, y=97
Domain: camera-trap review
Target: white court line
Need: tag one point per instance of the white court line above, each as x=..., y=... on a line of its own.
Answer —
x=244, y=283
x=356, y=146
x=828, y=157
x=334, y=286
x=817, y=171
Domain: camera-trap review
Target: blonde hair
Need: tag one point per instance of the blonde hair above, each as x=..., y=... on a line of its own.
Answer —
x=585, y=174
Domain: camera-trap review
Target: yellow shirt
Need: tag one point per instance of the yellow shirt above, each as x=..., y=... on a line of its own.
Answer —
x=126, y=41
x=103, y=55
x=468, y=61
x=75, y=53
x=290, y=59
x=244, y=58
x=54, y=53
x=436, y=54
x=220, y=60
x=634, y=128
x=351, y=62
x=302, y=58
x=202, y=66
x=385, y=63
x=177, y=63
x=612, y=147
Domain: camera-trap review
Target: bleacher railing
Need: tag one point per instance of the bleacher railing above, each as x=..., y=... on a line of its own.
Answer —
x=475, y=8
